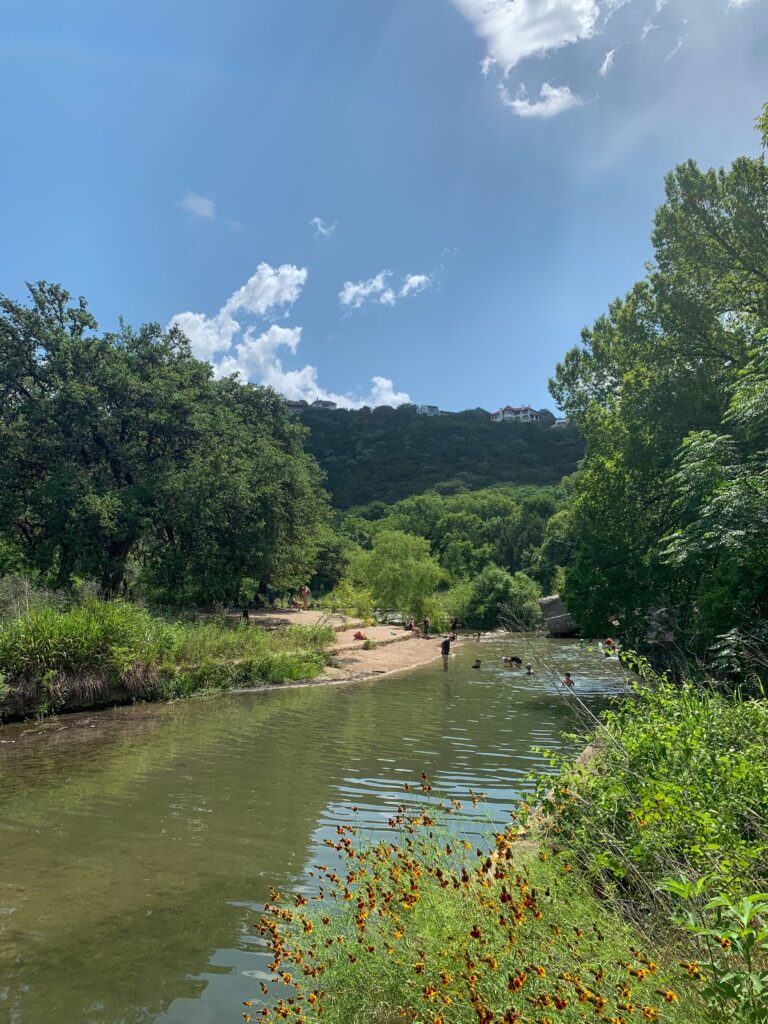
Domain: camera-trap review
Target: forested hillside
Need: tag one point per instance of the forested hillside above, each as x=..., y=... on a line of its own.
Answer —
x=387, y=454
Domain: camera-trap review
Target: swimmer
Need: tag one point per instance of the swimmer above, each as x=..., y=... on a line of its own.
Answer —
x=513, y=659
x=568, y=680
x=529, y=670
x=477, y=663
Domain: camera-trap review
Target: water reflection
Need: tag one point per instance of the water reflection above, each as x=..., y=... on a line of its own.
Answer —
x=135, y=844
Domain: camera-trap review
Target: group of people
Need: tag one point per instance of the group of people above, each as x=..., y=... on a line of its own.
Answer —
x=302, y=605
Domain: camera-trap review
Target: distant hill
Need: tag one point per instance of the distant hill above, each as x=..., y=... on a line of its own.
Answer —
x=387, y=454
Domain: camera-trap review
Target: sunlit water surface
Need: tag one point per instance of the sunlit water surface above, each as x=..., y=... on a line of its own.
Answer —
x=136, y=844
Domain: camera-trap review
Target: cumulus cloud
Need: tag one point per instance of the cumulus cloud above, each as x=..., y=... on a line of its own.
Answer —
x=377, y=289
x=255, y=354
x=198, y=206
x=257, y=357
x=322, y=227
x=607, y=64
x=516, y=29
x=552, y=100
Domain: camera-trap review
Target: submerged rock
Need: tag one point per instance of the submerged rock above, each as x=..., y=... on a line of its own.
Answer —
x=559, y=620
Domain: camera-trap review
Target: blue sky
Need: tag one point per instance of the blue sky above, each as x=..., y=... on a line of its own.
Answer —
x=372, y=199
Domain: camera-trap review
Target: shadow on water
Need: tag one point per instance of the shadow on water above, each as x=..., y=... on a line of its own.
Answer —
x=135, y=844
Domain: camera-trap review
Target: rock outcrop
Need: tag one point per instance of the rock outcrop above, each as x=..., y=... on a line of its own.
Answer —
x=557, y=617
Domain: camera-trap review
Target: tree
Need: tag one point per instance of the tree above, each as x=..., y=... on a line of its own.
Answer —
x=400, y=571
x=121, y=451
x=668, y=390
x=495, y=598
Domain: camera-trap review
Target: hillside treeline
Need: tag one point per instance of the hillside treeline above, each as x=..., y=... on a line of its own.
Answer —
x=387, y=454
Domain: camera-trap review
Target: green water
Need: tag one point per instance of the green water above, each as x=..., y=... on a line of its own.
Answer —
x=135, y=844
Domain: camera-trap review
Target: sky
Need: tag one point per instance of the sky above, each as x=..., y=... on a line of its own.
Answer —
x=375, y=201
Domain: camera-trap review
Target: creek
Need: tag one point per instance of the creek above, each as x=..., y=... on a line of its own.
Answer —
x=137, y=844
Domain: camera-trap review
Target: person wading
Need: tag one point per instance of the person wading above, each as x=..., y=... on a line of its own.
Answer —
x=445, y=650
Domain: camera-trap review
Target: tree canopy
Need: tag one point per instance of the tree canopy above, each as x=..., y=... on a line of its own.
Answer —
x=125, y=461
x=670, y=390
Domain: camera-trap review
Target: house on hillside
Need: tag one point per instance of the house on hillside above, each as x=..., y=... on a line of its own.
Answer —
x=321, y=403
x=297, y=407
x=427, y=410
x=516, y=414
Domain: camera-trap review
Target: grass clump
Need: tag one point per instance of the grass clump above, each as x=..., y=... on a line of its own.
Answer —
x=101, y=651
x=427, y=929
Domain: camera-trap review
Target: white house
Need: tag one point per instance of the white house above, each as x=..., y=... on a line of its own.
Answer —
x=516, y=414
x=428, y=410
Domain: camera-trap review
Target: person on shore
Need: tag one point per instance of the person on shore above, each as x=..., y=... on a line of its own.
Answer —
x=529, y=670
x=455, y=625
x=568, y=680
x=246, y=617
x=425, y=625
x=409, y=623
x=306, y=594
x=445, y=650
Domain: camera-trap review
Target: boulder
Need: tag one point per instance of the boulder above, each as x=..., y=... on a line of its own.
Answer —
x=557, y=617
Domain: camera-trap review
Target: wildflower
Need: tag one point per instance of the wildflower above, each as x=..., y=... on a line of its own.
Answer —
x=541, y=971
x=668, y=994
x=725, y=942
x=650, y=1013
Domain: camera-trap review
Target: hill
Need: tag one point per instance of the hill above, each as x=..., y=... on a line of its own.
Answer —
x=386, y=454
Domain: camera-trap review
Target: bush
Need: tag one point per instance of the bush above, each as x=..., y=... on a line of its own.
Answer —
x=495, y=598
x=678, y=786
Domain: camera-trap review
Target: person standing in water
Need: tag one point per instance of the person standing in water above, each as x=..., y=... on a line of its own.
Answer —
x=568, y=680
x=445, y=650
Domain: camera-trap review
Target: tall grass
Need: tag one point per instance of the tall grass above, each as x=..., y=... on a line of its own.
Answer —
x=101, y=650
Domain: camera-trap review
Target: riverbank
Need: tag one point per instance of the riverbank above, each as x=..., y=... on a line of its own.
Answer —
x=103, y=655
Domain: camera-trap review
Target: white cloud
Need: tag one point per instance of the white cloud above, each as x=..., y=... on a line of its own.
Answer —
x=264, y=290
x=607, y=64
x=256, y=356
x=648, y=27
x=675, y=48
x=198, y=206
x=552, y=100
x=516, y=29
x=415, y=283
x=267, y=288
x=321, y=227
x=354, y=293
x=739, y=3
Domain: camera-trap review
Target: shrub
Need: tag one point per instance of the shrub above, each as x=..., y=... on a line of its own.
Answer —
x=678, y=786
x=497, y=598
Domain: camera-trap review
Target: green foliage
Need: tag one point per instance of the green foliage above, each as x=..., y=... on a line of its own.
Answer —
x=678, y=785
x=468, y=530
x=126, y=462
x=497, y=599
x=734, y=937
x=346, y=598
x=670, y=391
x=399, y=571
x=386, y=454
x=114, y=650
